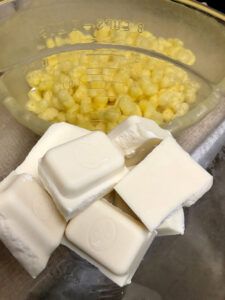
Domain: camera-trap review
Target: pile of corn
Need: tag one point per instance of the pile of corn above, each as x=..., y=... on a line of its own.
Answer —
x=98, y=89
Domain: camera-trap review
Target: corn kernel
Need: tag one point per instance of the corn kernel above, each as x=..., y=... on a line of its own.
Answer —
x=168, y=115
x=34, y=95
x=120, y=88
x=80, y=93
x=61, y=117
x=49, y=114
x=184, y=107
x=128, y=107
x=112, y=114
x=50, y=43
x=48, y=95
x=100, y=101
x=59, y=41
x=71, y=114
x=34, y=78
x=100, y=126
x=135, y=91
x=86, y=105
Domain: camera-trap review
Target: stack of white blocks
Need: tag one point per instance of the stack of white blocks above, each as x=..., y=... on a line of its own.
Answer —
x=105, y=197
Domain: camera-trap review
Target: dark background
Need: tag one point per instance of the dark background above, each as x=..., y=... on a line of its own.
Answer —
x=219, y=4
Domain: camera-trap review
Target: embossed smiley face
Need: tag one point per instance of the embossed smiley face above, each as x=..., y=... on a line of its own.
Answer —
x=102, y=235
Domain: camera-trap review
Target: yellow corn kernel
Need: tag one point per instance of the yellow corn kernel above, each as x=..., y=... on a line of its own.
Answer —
x=149, y=88
x=34, y=78
x=56, y=103
x=157, y=75
x=97, y=84
x=143, y=104
x=120, y=88
x=61, y=117
x=100, y=101
x=59, y=41
x=183, y=109
x=37, y=107
x=135, y=91
x=49, y=114
x=52, y=60
x=100, y=126
x=185, y=56
x=112, y=114
x=71, y=114
x=166, y=97
x=84, y=122
x=75, y=37
x=103, y=34
x=65, y=66
x=57, y=87
x=128, y=107
x=50, y=43
x=34, y=95
x=80, y=93
x=86, y=105
x=136, y=70
x=111, y=95
x=48, y=96
x=65, y=98
x=45, y=85
x=168, y=115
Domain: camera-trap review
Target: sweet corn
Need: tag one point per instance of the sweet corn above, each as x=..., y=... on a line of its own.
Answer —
x=98, y=89
x=128, y=107
x=49, y=114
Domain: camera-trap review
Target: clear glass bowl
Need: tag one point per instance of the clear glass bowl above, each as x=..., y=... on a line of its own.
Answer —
x=26, y=30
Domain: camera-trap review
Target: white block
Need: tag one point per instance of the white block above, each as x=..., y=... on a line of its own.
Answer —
x=173, y=225
x=109, y=239
x=136, y=137
x=162, y=182
x=30, y=225
x=81, y=171
x=56, y=135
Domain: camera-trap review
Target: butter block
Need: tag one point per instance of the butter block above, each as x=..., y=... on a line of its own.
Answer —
x=174, y=224
x=56, y=135
x=30, y=225
x=109, y=239
x=81, y=171
x=165, y=180
x=136, y=137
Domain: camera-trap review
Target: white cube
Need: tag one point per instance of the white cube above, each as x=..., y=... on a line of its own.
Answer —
x=162, y=182
x=81, y=171
x=109, y=239
x=30, y=225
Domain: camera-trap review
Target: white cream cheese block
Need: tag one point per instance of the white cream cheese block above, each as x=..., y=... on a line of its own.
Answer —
x=164, y=181
x=109, y=239
x=173, y=225
x=56, y=135
x=136, y=137
x=81, y=171
x=30, y=225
